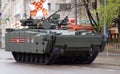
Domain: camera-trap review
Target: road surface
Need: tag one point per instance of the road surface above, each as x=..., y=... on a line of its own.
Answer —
x=9, y=66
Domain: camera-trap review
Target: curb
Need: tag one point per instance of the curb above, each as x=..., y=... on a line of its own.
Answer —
x=107, y=64
x=108, y=60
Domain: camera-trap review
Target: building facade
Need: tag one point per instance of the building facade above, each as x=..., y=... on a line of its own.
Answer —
x=14, y=10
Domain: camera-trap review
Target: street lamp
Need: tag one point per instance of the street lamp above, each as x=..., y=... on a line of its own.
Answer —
x=105, y=19
x=75, y=1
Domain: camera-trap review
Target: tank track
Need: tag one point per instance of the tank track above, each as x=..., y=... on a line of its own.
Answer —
x=53, y=58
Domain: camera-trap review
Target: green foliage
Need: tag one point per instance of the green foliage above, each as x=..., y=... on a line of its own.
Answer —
x=109, y=12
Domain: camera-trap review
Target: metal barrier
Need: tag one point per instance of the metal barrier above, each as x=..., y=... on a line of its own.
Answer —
x=112, y=49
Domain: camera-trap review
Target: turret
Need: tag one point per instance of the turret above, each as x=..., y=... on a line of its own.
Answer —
x=30, y=22
x=44, y=23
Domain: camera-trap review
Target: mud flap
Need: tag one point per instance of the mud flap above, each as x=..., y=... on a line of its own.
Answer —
x=91, y=57
x=103, y=46
x=56, y=52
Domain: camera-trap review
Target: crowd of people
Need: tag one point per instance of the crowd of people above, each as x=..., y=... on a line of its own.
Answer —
x=114, y=30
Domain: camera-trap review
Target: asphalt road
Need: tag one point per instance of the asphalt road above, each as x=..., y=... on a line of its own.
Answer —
x=9, y=66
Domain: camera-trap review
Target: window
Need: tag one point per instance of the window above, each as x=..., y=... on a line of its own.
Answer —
x=57, y=6
x=63, y=7
x=49, y=6
x=94, y=6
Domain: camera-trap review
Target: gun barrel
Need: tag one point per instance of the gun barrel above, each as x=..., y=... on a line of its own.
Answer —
x=53, y=13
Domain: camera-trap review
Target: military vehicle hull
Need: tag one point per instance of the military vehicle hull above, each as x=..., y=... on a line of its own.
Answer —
x=50, y=47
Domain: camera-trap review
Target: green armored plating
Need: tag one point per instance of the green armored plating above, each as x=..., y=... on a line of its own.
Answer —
x=45, y=42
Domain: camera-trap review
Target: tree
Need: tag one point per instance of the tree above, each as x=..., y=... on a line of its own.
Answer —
x=110, y=12
x=0, y=4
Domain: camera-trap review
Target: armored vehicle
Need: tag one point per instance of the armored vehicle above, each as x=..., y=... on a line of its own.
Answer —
x=45, y=42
